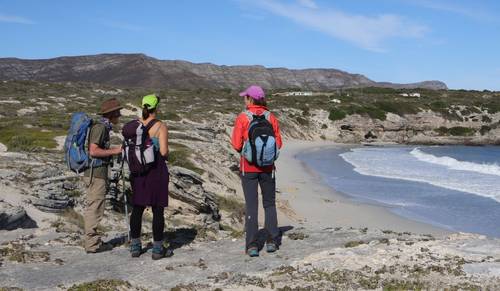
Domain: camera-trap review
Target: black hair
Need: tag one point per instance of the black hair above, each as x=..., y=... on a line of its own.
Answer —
x=146, y=112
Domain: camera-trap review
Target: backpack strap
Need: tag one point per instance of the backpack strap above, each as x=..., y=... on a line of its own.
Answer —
x=249, y=114
x=151, y=124
x=156, y=131
x=267, y=114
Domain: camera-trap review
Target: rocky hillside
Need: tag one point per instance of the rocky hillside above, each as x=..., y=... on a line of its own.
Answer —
x=138, y=70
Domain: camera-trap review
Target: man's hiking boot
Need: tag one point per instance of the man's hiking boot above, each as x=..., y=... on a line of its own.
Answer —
x=158, y=251
x=103, y=247
x=253, y=251
x=135, y=248
x=271, y=247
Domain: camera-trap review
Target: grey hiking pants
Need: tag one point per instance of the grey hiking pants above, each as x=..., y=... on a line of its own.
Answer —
x=250, y=182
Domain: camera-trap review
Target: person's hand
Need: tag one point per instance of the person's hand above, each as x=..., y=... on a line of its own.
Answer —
x=117, y=150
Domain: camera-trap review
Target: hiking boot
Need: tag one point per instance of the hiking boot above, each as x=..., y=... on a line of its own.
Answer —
x=271, y=247
x=103, y=247
x=135, y=248
x=253, y=251
x=158, y=251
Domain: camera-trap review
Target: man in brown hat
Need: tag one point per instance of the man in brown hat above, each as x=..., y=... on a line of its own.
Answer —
x=97, y=177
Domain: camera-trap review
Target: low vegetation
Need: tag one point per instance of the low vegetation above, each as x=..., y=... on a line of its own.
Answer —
x=103, y=285
x=32, y=114
x=455, y=131
x=233, y=206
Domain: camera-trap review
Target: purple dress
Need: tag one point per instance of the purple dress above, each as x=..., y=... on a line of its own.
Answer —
x=151, y=189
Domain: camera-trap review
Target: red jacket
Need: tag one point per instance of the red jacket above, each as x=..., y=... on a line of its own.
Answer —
x=240, y=135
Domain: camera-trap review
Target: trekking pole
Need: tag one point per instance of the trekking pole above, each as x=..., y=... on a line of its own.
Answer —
x=125, y=201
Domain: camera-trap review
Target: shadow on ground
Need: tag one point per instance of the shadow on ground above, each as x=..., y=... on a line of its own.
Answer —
x=263, y=236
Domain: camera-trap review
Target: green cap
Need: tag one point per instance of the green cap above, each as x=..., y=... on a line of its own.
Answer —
x=150, y=101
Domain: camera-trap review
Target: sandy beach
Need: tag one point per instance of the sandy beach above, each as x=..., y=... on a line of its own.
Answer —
x=305, y=200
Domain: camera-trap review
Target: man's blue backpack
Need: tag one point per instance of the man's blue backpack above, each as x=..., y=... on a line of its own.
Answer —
x=75, y=146
x=261, y=148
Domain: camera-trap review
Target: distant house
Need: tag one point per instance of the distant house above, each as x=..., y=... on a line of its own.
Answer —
x=298, y=93
x=417, y=95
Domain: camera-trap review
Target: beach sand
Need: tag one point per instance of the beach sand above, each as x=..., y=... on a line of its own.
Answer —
x=305, y=200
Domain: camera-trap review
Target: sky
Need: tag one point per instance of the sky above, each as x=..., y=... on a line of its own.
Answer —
x=402, y=41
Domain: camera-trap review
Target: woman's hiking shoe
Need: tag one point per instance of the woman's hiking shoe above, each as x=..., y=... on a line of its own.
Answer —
x=135, y=248
x=271, y=247
x=253, y=251
x=158, y=251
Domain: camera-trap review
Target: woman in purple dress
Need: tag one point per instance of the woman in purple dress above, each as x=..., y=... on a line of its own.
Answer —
x=151, y=189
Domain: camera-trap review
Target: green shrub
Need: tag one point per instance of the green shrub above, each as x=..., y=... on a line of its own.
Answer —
x=102, y=285
x=484, y=129
x=399, y=108
x=461, y=131
x=441, y=130
x=493, y=108
x=337, y=114
x=377, y=113
x=28, y=139
x=455, y=131
x=438, y=106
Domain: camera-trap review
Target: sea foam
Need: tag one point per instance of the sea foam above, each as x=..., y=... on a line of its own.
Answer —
x=415, y=165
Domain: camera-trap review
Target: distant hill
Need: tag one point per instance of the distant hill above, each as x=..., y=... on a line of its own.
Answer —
x=139, y=70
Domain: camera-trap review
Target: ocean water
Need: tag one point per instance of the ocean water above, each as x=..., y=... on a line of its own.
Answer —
x=454, y=187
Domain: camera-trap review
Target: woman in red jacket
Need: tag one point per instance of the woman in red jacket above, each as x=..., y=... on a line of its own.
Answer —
x=253, y=175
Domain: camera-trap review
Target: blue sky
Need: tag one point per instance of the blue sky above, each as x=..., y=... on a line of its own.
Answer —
x=457, y=41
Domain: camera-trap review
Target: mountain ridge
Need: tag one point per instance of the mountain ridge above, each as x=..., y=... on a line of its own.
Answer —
x=140, y=70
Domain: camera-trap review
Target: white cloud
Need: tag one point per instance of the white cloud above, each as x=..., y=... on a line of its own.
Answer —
x=308, y=3
x=15, y=19
x=367, y=32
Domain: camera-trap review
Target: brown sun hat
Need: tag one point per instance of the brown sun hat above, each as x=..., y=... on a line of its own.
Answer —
x=110, y=105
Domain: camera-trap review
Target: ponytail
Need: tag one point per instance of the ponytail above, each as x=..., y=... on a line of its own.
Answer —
x=150, y=104
x=145, y=112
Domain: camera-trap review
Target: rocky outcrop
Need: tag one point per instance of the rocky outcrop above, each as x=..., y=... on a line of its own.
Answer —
x=12, y=217
x=187, y=186
x=423, y=127
x=138, y=70
x=51, y=193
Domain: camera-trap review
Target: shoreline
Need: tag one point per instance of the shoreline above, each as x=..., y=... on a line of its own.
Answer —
x=311, y=203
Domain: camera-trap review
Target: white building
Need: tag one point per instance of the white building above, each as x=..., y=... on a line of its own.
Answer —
x=417, y=95
x=299, y=93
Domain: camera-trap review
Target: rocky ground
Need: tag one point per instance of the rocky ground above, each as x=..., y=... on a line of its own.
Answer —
x=326, y=259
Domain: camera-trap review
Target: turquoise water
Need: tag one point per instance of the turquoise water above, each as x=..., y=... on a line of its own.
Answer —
x=454, y=187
